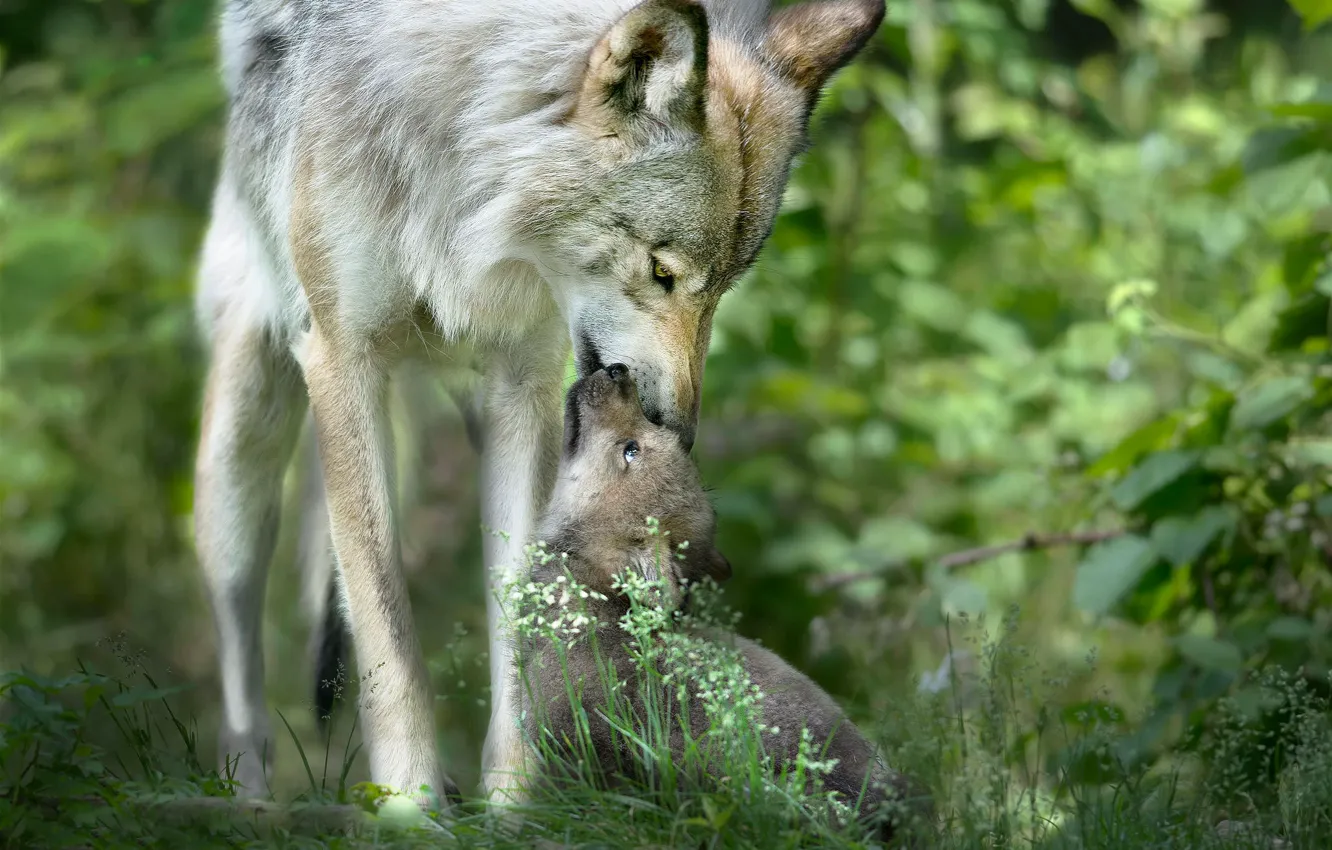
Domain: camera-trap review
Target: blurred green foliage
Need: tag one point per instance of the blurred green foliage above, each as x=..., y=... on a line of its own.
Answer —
x=1050, y=265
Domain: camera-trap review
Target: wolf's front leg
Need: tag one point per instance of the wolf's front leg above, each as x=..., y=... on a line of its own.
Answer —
x=518, y=462
x=250, y=421
x=348, y=396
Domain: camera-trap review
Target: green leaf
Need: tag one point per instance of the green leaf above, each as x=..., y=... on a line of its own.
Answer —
x=1033, y=13
x=933, y=306
x=1149, y=476
x=717, y=817
x=47, y=264
x=1302, y=321
x=1277, y=146
x=1180, y=540
x=1314, y=12
x=1228, y=460
x=958, y=595
x=1284, y=186
x=1309, y=452
x=1267, y=401
x=137, y=122
x=1104, y=10
x=1210, y=653
x=1150, y=437
x=1110, y=570
x=1129, y=292
x=1001, y=337
x=92, y=695
x=1306, y=109
x=1290, y=628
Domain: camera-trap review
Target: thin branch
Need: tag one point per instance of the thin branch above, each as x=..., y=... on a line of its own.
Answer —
x=1027, y=543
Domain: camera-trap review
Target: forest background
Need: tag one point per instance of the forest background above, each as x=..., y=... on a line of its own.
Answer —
x=1055, y=274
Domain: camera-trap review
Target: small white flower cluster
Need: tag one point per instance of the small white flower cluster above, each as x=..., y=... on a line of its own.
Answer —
x=805, y=756
x=720, y=682
x=555, y=611
x=665, y=641
x=808, y=768
x=676, y=645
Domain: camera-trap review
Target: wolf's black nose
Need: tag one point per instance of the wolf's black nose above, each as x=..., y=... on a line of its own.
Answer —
x=616, y=371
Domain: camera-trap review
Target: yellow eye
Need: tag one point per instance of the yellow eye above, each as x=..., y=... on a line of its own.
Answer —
x=662, y=275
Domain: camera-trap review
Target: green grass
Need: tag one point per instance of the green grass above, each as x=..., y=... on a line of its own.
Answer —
x=92, y=760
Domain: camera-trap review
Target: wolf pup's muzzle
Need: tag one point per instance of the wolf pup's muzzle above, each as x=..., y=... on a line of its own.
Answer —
x=603, y=385
x=607, y=385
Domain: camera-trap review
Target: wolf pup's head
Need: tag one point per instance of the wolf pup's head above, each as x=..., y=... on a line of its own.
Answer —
x=616, y=470
x=679, y=139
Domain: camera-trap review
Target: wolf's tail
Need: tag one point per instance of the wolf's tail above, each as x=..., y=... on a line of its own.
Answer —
x=319, y=590
x=330, y=651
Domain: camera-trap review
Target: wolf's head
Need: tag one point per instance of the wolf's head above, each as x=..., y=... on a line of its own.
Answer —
x=616, y=470
x=687, y=117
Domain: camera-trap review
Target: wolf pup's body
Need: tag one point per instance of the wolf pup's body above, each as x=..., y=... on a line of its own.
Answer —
x=412, y=177
x=617, y=468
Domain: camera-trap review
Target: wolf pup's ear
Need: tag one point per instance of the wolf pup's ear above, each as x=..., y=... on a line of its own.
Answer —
x=652, y=65
x=717, y=566
x=810, y=41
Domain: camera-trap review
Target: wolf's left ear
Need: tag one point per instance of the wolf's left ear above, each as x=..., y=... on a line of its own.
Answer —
x=810, y=41
x=653, y=64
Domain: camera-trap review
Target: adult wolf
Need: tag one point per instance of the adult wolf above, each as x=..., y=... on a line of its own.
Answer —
x=415, y=177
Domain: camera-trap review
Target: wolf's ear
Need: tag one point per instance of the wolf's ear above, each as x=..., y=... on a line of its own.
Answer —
x=717, y=566
x=653, y=64
x=810, y=41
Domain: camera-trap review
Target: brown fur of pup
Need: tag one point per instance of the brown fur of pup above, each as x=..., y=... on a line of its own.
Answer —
x=616, y=469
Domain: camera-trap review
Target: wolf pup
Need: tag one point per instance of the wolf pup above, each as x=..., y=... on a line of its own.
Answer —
x=443, y=179
x=618, y=468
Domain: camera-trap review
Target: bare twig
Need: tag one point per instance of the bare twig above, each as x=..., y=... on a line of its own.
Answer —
x=1027, y=543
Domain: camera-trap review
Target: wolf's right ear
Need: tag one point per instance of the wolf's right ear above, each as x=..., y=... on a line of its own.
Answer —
x=651, y=66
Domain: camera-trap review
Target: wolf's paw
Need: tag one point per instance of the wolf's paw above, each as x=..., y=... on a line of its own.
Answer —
x=247, y=760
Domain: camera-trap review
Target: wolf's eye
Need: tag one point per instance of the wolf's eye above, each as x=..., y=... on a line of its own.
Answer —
x=662, y=275
x=630, y=451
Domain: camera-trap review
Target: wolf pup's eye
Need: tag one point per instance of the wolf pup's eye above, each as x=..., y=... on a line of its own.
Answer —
x=630, y=451
x=662, y=275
